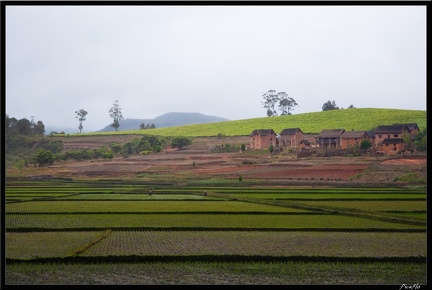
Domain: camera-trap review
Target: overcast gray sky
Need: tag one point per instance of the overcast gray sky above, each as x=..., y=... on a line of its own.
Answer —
x=214, y=60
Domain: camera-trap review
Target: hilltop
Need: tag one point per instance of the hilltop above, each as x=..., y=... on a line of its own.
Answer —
x=309, y=123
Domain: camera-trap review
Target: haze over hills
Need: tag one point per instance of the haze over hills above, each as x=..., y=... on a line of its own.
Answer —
x=166, y=120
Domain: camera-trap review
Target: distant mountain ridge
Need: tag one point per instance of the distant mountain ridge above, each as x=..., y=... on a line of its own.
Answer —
x=166, y=120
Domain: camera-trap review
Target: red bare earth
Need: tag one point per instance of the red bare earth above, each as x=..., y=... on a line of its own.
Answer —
x=198, y=162
x=404, y=161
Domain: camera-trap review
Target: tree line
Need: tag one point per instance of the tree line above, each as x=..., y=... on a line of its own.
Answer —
x=143, y=145
x=273, y=101
x=115, y=113
x=25, y=144
x=23, y=127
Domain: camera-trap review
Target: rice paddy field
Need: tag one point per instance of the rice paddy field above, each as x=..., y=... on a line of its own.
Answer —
x=85, y=232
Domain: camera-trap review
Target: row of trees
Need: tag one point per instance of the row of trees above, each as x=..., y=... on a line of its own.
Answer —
x=147, y=144
x=23, y=127
x=46, y=156
x=26, y=144
x=328, y=106
x=148, y=126
x=285, y=104
x=21, y=136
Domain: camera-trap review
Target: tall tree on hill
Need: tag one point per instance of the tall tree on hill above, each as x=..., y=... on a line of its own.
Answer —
x=39, y=128
x=24, y=127
x=81, y=116
x=286, y=104
x=270, y=99
x=116, y=114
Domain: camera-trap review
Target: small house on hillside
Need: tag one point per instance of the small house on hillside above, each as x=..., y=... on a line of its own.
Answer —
x=329, y=138
x=390, y=132
x=263, y=138
x=392, y=145
x=291, y=137
x=352, y=138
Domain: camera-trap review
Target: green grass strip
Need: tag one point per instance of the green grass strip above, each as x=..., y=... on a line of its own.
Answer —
x=267, y=243
x=144, y=206
x=65, y=221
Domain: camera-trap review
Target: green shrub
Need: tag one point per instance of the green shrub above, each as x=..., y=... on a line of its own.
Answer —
x=421, y=140
x=180, y=142
x=54, y=146
x=410, y=177
x=108, y=155
x=44, y=158
x=116, y=148
x=157, y=148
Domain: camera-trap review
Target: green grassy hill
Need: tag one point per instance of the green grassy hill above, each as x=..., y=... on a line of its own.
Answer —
x=348, y=119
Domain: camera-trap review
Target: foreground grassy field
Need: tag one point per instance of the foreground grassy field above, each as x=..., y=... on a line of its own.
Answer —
x=220, y=273
x=119, y=234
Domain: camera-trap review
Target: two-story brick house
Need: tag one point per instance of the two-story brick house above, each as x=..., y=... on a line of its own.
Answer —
x=329, y=138
x=290, y=137
x=262, y=138
x=390, y=132
x=352, y=138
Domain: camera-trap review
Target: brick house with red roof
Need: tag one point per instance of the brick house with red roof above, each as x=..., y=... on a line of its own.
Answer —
x=329, y=138
x=262, y=139
x=350, y=139
x=290, y=137
x=390, y=132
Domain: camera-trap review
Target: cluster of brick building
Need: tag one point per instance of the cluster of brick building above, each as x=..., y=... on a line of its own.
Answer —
x=389, y=139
